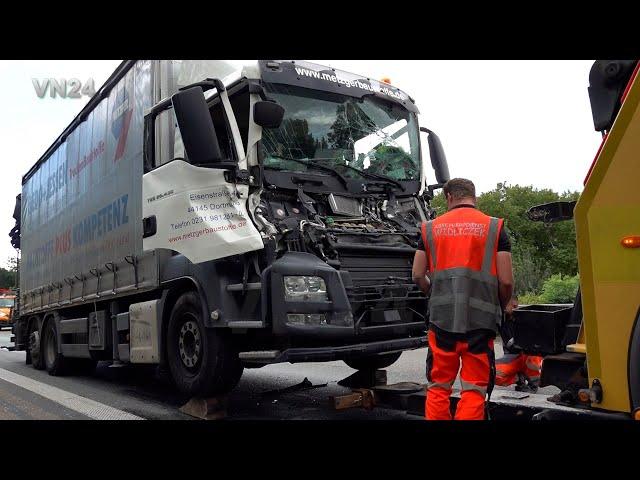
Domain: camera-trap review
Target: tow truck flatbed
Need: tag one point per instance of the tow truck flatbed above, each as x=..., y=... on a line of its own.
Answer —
x=505, y=404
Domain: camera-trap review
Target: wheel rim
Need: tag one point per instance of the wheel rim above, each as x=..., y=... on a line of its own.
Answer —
x=190, y=343
x=50, y=348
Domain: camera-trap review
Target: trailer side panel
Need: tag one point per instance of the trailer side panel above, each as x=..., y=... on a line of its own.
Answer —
x=81, y=213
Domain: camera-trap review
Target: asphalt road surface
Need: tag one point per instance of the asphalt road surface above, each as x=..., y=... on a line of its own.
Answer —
x=136, y=393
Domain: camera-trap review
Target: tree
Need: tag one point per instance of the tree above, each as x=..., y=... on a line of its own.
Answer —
x=339, y=135
x=293, y=135
x=8, y=275
x=351, y=124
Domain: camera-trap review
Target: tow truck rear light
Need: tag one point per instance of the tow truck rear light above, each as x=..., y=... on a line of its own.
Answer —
x=631, y=241
x=386, y=80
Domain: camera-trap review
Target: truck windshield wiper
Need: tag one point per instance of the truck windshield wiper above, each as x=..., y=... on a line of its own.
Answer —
x=368, y=174
x=309, y=163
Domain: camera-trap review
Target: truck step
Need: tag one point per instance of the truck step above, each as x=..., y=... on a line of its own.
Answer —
x=245, y=324
x=259, y=355
x=239, y=287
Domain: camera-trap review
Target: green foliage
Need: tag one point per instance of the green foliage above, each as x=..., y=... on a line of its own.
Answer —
x=538, y=250
x=560, y=289
x=529, y=299
x=439, y=203
x=529, y=269
x=8, y=275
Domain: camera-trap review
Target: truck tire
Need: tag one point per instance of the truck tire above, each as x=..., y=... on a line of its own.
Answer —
x=202, y=360
x=373, y=362
x=54, y=362
x=35, y=352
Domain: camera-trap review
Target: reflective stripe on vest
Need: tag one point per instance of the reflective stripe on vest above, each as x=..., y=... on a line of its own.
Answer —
x=463, y=299
x=427, y=239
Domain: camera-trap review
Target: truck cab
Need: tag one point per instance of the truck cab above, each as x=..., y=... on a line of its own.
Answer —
x=336, y=190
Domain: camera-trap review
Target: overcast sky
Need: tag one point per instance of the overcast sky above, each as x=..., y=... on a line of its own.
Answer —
x=524, y=122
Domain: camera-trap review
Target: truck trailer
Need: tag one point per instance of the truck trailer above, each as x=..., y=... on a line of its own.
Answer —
x=211, y=216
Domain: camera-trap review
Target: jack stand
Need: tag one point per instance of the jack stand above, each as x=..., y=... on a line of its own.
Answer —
x=212, y=408
x=361, y=397
x=398, y=395
x=365, y=379
x=361, y=384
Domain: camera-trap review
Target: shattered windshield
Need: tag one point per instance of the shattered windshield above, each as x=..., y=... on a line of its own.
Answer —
x=348, y=134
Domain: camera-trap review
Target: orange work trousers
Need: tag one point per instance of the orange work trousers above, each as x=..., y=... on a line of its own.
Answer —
x=508, y=367
x=477, y=375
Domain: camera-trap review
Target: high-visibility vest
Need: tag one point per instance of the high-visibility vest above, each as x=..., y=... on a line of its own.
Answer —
x=461, y=248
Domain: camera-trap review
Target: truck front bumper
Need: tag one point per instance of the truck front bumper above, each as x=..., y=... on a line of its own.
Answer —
x=335, y=317
x=343, y=352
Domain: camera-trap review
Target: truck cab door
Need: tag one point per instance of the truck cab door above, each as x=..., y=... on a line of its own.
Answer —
x=196, y=204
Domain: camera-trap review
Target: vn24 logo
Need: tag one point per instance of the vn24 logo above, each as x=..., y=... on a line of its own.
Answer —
x=63, y=88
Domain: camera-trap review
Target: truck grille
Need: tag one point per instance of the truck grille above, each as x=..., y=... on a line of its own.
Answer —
x=372, y=270
x=383, y=292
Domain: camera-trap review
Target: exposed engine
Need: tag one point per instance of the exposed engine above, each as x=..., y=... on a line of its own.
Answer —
x=370, y=240
x=325, y=224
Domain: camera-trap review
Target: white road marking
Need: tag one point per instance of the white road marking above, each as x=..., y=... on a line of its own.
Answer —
x=83, y=405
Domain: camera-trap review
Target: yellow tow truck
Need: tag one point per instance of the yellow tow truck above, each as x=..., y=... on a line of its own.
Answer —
x=607, y=220
x=598, y=371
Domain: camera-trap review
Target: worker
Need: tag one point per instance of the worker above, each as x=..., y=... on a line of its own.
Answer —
x=464, y=259
x=516, y=367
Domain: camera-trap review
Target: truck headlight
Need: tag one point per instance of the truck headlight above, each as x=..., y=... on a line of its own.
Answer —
x=300, y=288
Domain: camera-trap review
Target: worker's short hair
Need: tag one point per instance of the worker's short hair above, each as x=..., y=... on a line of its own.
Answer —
x=460, y=188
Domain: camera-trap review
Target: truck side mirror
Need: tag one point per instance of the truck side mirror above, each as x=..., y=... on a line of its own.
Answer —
x=268, y=114
x=196, y=126
x=438, y=158
x=552, y=212
x=607, y=80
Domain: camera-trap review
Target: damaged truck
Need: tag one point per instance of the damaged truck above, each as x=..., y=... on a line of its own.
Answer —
x=211, y=216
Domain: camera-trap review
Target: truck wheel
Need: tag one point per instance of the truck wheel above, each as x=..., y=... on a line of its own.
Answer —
x=202, y=361
x=373, y=362
x=54, y=361
x=35, y=353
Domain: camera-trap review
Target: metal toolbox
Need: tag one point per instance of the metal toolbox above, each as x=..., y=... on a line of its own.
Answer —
x=541, y=329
